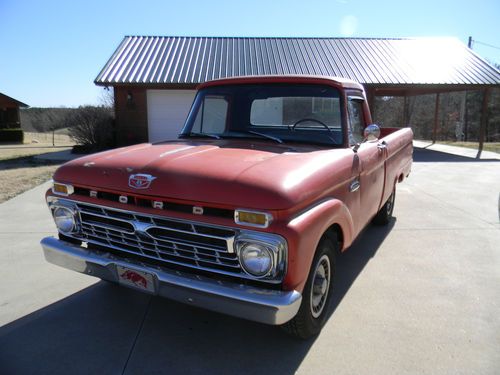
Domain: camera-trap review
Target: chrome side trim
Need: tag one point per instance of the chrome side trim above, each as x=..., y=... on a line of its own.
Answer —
x=261, y=305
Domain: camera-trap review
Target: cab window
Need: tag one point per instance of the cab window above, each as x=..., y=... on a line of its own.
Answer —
x=212, y=116
x=356, y=120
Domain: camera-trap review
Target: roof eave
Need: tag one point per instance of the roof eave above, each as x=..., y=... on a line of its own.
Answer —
x=19, y=104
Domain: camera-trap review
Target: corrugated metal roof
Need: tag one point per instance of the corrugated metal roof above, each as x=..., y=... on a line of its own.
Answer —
x=191, y=60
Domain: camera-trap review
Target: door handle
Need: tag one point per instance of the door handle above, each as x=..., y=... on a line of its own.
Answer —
x=354, y=186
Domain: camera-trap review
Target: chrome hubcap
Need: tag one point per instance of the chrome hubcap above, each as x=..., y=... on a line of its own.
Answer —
x=320, y=286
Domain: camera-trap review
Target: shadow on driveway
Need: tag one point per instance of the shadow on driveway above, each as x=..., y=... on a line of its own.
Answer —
x=424, y=155
x=107, y=329
x=353, y=261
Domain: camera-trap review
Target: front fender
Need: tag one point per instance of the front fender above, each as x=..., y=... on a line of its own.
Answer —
x=304, y=232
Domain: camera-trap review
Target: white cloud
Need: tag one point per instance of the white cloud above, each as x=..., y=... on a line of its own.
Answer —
x=348, y=25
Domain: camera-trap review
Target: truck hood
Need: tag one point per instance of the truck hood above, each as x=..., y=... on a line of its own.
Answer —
x=226, y=172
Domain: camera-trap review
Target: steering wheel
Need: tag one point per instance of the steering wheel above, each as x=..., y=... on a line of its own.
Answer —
x=310, y=120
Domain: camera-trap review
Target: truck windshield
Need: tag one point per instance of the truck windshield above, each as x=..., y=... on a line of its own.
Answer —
x=275, y=112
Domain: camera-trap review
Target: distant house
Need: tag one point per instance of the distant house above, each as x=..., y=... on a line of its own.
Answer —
x=9, y=112
x=154, y=78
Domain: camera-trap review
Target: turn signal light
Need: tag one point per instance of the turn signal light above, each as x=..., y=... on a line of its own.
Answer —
x=62, y=189
x=252, y=218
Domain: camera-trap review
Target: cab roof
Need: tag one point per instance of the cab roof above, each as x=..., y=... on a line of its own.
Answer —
x=305, y=79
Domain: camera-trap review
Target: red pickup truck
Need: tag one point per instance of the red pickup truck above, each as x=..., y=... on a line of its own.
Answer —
x=270, y=179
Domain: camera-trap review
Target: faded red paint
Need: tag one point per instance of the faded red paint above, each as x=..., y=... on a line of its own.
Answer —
x=305, y=188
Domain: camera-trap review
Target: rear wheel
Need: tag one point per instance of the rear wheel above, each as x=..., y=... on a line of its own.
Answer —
x=317, y=293
x=384, y=215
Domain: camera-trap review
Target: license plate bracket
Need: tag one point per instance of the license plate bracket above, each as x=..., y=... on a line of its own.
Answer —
x=132, y=278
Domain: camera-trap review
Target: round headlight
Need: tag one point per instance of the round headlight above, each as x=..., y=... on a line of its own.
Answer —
x=65, y=220
x=256, y=259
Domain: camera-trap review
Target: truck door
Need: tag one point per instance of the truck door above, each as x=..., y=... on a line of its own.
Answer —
x=371, y=163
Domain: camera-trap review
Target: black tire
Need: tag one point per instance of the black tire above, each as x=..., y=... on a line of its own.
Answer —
x=314, y=308
x=384, y=216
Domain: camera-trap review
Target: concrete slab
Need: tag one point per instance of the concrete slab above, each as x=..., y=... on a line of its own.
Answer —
x=54, y=321
x=418, y=296
x=92, y=331
x=194, y=341
x=28, y=282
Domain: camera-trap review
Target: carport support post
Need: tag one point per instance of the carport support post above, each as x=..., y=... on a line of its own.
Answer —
x=370, y=96
x=436, y=119
x=484, y=121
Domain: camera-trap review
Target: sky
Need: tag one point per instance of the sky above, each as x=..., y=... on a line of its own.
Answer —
x=51, y=51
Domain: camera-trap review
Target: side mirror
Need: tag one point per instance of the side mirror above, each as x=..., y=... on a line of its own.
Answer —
x=372, y=132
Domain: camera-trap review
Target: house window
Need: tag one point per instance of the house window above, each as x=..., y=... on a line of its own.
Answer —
x=322, y=105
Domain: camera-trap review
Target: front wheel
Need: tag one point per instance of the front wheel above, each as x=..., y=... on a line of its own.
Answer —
x=317, y=293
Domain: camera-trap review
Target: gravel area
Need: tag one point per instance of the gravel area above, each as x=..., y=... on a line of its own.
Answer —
x=21, y=175
x=19, y=171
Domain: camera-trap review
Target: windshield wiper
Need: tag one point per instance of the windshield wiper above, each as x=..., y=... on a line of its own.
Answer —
x=276, y=139
x=204, y=135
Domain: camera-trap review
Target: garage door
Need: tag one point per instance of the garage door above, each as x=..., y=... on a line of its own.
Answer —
x=167, y=111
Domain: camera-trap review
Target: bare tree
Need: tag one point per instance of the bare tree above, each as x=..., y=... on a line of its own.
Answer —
x=91, y=127
x=43, y=119
x=107, y=98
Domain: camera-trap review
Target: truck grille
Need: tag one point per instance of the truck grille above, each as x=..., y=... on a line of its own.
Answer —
x=169, y=241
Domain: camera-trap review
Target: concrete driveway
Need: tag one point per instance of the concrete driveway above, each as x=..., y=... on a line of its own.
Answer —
x=420, y=296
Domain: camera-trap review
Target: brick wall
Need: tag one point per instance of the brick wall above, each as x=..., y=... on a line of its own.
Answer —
x=131, y=113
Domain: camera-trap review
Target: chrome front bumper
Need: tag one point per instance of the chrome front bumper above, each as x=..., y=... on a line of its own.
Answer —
x=257, y=304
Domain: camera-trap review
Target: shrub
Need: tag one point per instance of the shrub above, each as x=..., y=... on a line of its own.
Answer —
x=11, y=135
x=92, y=128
